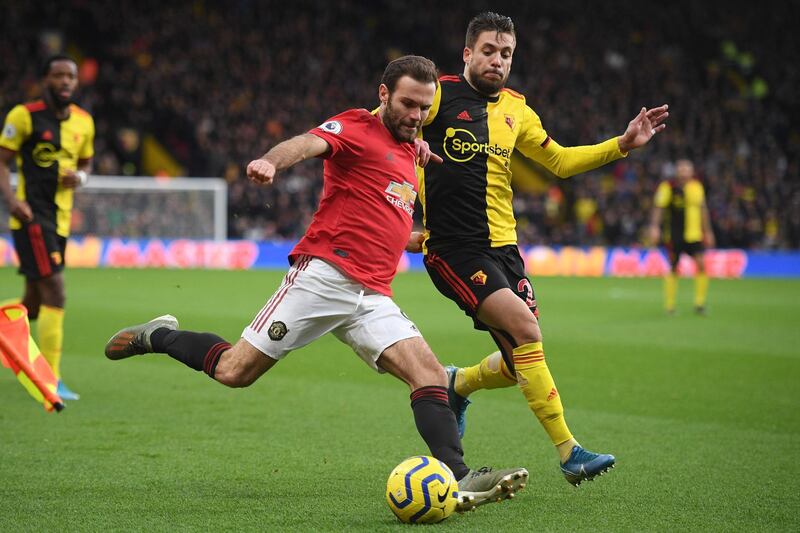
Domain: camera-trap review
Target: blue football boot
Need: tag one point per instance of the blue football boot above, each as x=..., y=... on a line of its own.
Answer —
x=65, y=393
x=457, y=402
x=584, y=465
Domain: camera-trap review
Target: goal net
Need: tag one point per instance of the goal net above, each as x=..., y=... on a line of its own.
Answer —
x=143, y=207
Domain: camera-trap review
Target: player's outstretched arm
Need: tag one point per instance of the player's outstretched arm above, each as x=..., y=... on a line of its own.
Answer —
x=571, y=160
x=643, y=127
x=284, y=155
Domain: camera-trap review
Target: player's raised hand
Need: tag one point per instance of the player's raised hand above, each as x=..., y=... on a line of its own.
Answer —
x=424, y=154
x=261, y=171
x=643, y=127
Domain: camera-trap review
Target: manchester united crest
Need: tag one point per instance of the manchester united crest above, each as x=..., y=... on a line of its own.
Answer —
x=277, y=330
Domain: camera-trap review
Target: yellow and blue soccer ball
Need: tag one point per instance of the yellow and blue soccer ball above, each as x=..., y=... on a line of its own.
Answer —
x=422, y=490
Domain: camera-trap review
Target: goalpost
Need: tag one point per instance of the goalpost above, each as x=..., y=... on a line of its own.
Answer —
x=145, y=207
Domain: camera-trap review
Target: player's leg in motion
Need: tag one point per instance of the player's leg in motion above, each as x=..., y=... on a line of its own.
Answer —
x=491, y=372
x=512, y=321
x=412, y=361
x=700, y=285
x=235, y=366
x=242, y=364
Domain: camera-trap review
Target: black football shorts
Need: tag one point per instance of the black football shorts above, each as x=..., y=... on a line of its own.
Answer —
x=469, y=275
x=676, y=248
x=40, y=251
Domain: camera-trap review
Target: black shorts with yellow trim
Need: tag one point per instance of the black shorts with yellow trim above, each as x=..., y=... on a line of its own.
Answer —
x=40, y=251
x=469, y=275
x=676, y=248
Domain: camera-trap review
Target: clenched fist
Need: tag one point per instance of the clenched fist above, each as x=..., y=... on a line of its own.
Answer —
x=261, y=171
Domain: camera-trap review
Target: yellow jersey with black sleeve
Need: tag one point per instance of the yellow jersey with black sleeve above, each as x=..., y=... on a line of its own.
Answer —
x=46, y=147
x=683, y=210
x=467, y=200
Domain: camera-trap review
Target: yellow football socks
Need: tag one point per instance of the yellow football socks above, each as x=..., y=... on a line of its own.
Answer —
x=490, y=373
x=51, y=336
x=700, y=289
x=670, y=290
x=539, y=389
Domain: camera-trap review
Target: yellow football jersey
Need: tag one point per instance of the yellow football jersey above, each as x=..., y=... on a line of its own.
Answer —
x=46, y=147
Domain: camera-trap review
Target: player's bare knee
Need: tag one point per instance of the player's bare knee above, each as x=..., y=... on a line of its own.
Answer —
x=529, y=337
x=525, y=331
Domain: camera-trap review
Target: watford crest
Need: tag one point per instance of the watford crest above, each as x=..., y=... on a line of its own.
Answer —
x=479, y=278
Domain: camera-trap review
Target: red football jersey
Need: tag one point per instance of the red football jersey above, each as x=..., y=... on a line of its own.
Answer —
x=364, y=220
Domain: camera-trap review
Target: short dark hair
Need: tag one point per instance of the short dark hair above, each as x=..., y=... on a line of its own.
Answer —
x=488, y=21
x=48, y=63
x=418, y=68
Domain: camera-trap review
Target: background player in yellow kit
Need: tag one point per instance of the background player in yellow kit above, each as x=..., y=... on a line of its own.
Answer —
x=52, y=140
x=687, y=229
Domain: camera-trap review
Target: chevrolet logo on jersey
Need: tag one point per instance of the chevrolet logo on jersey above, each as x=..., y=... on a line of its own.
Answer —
x=401, y=195
x=461, y=145
x=405, y=191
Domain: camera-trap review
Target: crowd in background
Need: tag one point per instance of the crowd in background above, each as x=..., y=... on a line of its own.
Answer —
x=219, y=83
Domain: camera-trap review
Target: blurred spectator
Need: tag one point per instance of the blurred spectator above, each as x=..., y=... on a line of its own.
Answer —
x=218, y=83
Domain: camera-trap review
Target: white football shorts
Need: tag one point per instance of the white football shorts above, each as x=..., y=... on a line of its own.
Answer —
x=316, y=298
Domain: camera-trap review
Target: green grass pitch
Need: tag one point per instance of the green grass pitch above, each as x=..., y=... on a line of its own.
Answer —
x=703, y=414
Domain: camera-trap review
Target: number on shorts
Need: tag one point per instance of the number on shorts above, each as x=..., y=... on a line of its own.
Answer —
x=526, y=292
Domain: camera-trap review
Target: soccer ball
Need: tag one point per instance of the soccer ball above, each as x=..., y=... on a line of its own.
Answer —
x=422, y=490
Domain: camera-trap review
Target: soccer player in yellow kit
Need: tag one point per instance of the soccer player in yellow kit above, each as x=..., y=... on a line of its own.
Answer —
x=52, y=140
x=687, y=229
x=470, y=241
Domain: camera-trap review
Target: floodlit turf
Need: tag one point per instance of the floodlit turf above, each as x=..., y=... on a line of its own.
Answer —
x=703, y=414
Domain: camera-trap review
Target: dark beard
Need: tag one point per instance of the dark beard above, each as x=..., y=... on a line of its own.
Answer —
x=58, y=102
x=487, y=88
x=484, y=86
x=393, y=124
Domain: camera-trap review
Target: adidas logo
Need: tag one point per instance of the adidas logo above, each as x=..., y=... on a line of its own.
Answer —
x=464, y=116
x=553, y=394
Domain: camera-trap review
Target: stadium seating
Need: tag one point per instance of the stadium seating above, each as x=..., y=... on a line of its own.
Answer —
x=217, y=84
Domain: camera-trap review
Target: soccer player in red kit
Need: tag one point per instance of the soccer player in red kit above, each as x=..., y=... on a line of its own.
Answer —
x=341, y=272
